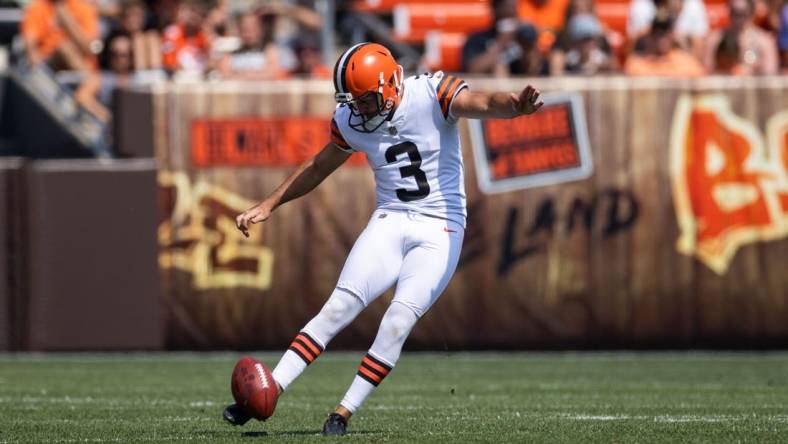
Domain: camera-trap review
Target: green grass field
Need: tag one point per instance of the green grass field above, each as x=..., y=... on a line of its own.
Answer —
x=475, y=397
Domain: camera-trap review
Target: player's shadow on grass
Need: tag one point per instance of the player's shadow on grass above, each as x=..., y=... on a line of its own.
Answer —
x=282, y=434
x=255, y=434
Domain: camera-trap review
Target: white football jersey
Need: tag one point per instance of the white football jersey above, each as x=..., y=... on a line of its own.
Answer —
x=415, y=155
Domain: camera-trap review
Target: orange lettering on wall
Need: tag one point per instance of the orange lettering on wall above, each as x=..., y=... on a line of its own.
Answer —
x=259, y=141
x=534, y=160
x=549, y=123
x=729, y=187
x=723, y=194
x=531, y=144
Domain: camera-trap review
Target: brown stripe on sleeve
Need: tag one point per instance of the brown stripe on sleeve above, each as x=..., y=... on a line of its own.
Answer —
x=336, y=136
x=443, y=84
x=448, y=94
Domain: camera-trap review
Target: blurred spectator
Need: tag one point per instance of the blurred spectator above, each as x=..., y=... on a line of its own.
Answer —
x=660, y=56
x=577, y=7
x=309, y=59
x=548, y=16
x=301, y=12
x=767, y=14
x=217, y=21
x=109, y=12
x=163, y=13
x=586, y=51
x=509, y=47
x=691, y=23
x=184, y=44
x=757, y=49
x=544, y=14
x=146, y=43
x=727, y=56
x=95, y=93
x=257, y=57
x=287, y=21
x=783, y=38
x=62, y=33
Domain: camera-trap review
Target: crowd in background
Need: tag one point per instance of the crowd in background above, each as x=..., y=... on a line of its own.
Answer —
x=111, y=43
x=664, y=38
x=119, y=42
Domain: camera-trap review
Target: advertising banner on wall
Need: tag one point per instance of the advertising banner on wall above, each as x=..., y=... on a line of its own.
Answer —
x=544, y=148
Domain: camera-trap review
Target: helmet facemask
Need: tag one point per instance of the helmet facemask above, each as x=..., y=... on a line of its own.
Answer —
x=369, y=122
x=386, y=98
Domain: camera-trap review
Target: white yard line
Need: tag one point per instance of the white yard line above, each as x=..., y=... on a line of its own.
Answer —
x=673, y=418
x=136, y=439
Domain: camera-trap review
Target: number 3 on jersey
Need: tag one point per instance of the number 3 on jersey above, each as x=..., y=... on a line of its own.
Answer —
x=413, y=170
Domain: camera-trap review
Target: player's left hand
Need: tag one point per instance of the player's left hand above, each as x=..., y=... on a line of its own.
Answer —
x=527, y=102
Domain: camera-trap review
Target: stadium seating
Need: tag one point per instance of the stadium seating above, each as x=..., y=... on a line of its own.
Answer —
x=718, y=13
x=443, y=50
x=614, y=13
x=384, y=6
x=49, y=120
x=412, y=22
x=442, y=26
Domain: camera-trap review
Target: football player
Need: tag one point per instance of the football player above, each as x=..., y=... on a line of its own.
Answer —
x=407, y=128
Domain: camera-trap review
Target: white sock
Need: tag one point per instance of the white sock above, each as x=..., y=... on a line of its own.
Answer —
x=381, y=358
x=288, y=368
x=370, y=373
x=341, y=308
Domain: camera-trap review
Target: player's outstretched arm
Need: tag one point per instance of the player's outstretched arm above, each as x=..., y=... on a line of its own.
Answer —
x=303, y=180
x=480, y=105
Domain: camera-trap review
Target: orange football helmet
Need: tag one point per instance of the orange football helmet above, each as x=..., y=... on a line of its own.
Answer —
x=368, y=68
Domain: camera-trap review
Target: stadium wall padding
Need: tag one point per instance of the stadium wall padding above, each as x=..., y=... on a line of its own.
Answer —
x=92, y=278
x=677, y=240
x=133, y=124
x=11, y=254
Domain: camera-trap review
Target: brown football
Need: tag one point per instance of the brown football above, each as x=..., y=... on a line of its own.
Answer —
x=254, y=388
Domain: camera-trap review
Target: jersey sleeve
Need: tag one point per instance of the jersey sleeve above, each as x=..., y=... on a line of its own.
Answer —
x=338, y=139
x=447, y=87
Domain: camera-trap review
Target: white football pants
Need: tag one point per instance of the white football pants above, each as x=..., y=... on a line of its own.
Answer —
x=418, y=252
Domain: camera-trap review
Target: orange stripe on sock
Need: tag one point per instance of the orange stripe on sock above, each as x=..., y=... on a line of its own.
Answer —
x=370, y=375
x=370, y=363
x=310, y=356
x=310, y=344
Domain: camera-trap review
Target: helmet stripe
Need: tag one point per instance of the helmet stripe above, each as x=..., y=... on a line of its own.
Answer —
x=340, y=83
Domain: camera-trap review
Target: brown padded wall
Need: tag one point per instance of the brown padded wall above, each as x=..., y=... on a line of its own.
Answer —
x=93, y=273
x=133, y=124
x=10, y=254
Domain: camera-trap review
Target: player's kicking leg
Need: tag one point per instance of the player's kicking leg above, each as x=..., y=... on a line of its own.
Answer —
x=426, y=270
x=371, y=268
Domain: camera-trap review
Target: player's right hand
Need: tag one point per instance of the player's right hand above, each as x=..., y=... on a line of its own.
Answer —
x=254, y=215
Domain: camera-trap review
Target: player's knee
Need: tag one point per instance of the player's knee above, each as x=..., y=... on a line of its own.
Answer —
x=340, y=307
x=335, y=311
x=399, y=321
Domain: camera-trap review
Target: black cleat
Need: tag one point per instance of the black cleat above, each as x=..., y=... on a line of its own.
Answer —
x=336, y=425
x=235, y=415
